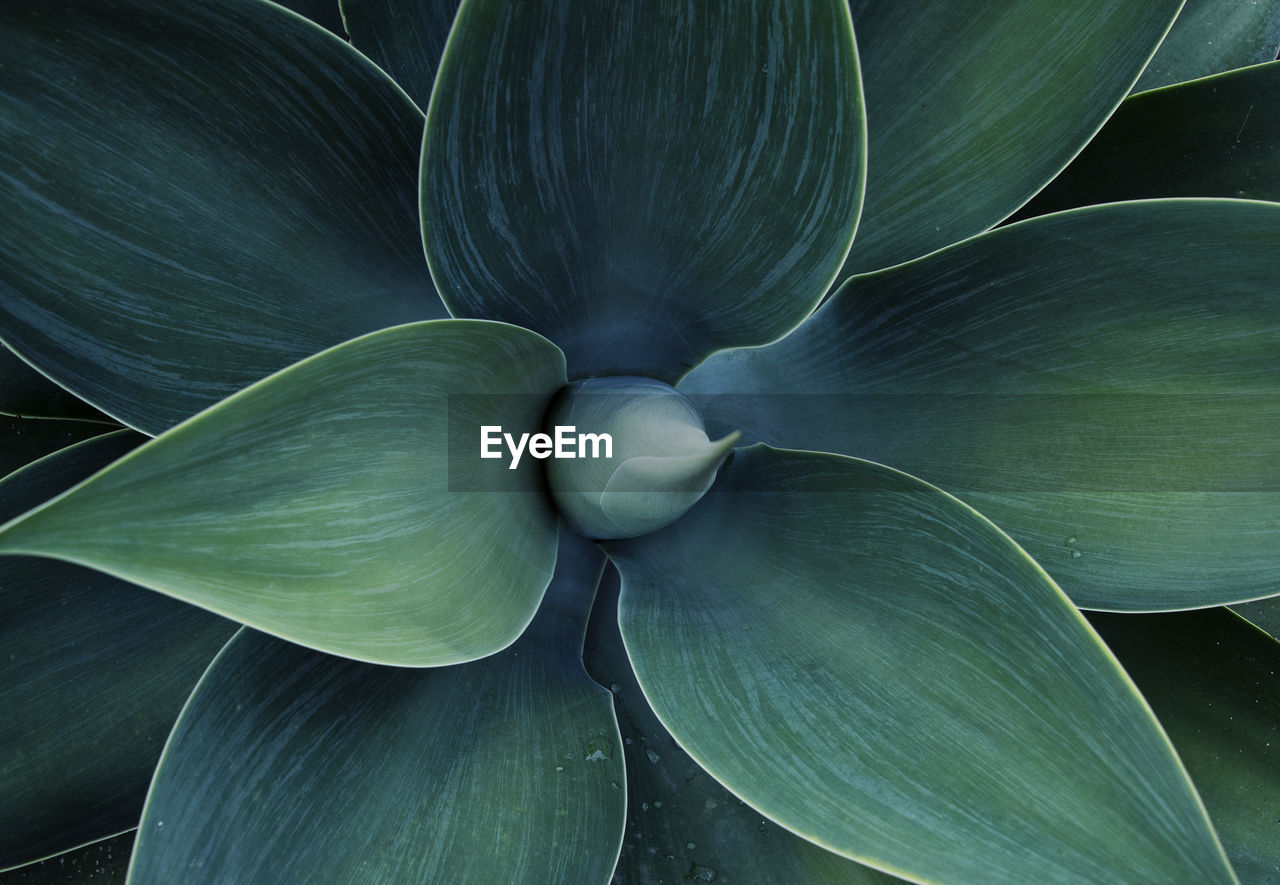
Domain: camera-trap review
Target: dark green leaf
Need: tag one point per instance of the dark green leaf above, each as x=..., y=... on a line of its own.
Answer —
x=29, y=487
x=973, y=106
x=681, y=824
x=102, y=863
x=867, y=661
x=323, y=12
x=1103, y=384
x=93, y=675
x=1212, y=36
x=671, y=178
x=24, y=392
x=292, y=766
x=1214, y=681
x=194, y=195
x=405, y=37
x=329, y=505
x=1265, y=614
x=23, y=440
x=1217, y=137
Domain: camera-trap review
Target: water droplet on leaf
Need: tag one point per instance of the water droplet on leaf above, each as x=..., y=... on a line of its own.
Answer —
x=599, y=749
x=700, y=873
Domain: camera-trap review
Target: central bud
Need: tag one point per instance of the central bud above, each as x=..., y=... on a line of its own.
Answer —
x=661, y=460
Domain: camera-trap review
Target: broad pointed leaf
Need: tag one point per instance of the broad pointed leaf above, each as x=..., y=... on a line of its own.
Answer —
x=669, y=179
x=294, y=766
x=195, y=195
x=681, y=824
x=867, y=661
x=972, y=107
x=1212, y=36
x=326, y=505
x=26, y=393
x=1103, y=384
x=405, y=37
x=94, y=673
x=1214, y=681
x=1216, y=137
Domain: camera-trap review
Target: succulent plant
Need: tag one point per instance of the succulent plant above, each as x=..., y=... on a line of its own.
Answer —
x=863, y=442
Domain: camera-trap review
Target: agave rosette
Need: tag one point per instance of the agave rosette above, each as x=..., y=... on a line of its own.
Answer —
x=860, y=656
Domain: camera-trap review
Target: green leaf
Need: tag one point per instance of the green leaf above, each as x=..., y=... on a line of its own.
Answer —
x=44, y=477
x=195, y=195
x=26, y=393
x=681, y=824
x=1217, y=137
x=103, y=863
x=23, y=440
x=405, y=37
x=1102, y=384
x=972, y=107
x=867, y=661
x=37, y=417
x=323, y=12
x=293, y=766
x=1212, y=679
x=328, y=504
x=1212, y=36
x=673, y=178
x=1264, y=614
x=94, y=673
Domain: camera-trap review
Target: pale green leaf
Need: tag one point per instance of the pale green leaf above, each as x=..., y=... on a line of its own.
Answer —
x=867, y=661
x=329, y=505
x=682, y=825
x=1103, y=384
x=293, y=766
